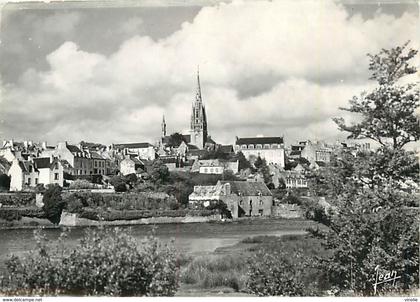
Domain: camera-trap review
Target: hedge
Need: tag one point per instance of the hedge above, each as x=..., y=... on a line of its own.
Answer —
x=118, y=201
x=97, y=214
x=11, y=214
x=17, y=199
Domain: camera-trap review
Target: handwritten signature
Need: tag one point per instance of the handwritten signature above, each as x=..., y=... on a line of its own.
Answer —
x=384, y=277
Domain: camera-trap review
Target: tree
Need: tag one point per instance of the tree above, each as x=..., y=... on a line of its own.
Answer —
x=369, y=224
x=119, y=183
x=388, y=111
x=53, y=203
x=4, y=182
x=243, y=163
x=175, y=139
x=159, y=172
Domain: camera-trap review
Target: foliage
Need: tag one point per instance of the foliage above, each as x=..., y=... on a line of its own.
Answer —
x=105, y=262
x=19, y=199
x=159, y=172
x=175, y=139
x=370, y=222
x=388, y=111
x=275, y=274
x=210, y=272
x=243, y=162
x=81, y=184
x=262, y=167
x=53, y=204
x=119, y=183
x=4, y=182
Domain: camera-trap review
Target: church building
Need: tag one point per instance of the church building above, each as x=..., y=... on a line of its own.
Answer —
x=198, y=136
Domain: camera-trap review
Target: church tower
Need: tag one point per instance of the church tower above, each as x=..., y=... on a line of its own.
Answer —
x=198, y=119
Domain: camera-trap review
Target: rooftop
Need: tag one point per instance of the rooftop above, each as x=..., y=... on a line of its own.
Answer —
x=259, y=140
x=246, y=188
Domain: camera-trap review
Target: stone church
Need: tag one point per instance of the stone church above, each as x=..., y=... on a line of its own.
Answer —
x=198, y=136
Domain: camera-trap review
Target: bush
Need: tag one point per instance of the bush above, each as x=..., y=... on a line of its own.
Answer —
x=119, y=184
x=53, y=204
x=105, y=262
x=275, y=274
x=4, y=182
x=79, y=184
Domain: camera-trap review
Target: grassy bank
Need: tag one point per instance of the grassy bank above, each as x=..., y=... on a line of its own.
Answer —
x=227, y=269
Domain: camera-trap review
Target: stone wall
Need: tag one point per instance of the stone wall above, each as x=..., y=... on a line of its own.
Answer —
x=69, y=219
x=287, y=211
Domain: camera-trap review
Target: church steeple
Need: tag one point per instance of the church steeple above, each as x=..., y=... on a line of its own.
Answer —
x=198, y=118
x=198, y=95
x=163, y=126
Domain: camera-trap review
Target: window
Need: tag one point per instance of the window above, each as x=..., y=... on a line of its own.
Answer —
x=266, y=146
x=56, y=166
x=29, y=181
x=55, y=176
x=259, y=146
x=206, y=170
x=244, y=146
x=36, y=181
x=261, y=202
x=251, y=147
x=260, y=212
x=241, y=202
x=30, y=169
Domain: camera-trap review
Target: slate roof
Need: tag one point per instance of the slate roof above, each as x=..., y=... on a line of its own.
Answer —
x=226, y=148
x=42, y=162
x=248, y=188
x=73, y=148
x=295, y=152
x=4, y=165
x=132, y=145
x=96, y=155
x=259, y=140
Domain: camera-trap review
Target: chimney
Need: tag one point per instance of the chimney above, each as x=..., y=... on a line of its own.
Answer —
x=44, y=145
x=62, y=145
x=25, y=143
x=11, y=143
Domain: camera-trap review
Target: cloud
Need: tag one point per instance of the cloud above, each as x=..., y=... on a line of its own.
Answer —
x=266, y=67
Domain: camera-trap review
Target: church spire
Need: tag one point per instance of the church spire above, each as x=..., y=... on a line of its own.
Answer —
x=198, y=96
x=163, y=126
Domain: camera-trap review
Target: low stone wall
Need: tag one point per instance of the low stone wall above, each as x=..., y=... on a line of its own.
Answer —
x=69, y=219
x=287, y=211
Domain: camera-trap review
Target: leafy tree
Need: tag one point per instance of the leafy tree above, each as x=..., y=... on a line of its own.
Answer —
x=242, y=161
x=368, y=222
x=175, y=139
x=4, y=182
x=262, y=167
x=259, y=162
x=53, y=203
x=119, y=183
x=388, y=111
x=159, y=172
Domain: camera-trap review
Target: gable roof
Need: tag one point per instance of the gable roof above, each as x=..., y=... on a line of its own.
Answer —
x=226, y=148
x=248, y=188
x=133, y=145
x=96, y=155
x=259, y=140
x=73, y=148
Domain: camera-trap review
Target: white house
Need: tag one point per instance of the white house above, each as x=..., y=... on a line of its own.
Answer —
x=30, y=173
x=142, y=150
x=269, y=148
x=131, y=166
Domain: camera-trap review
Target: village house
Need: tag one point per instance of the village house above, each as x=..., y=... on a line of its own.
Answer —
x=241, y=197
x=269, y=148
x=316, y=152
x=215, y=166
x=294, y=179
x=141, y=150
x=131, y=165
x=29, y=173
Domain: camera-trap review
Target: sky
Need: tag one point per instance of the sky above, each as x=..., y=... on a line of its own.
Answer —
x=108, y=71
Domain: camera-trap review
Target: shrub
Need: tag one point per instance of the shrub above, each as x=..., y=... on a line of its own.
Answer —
x=274, y=274
x=105, y=262
x=53, y=204
x=119, y=184
x=4, y=182
x=79, y=184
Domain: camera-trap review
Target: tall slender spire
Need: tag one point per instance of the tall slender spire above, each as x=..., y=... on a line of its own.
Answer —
x=198, y=96
x=163, y=126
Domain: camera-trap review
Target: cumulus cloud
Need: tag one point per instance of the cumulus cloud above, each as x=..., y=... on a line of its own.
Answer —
x=266, y=67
